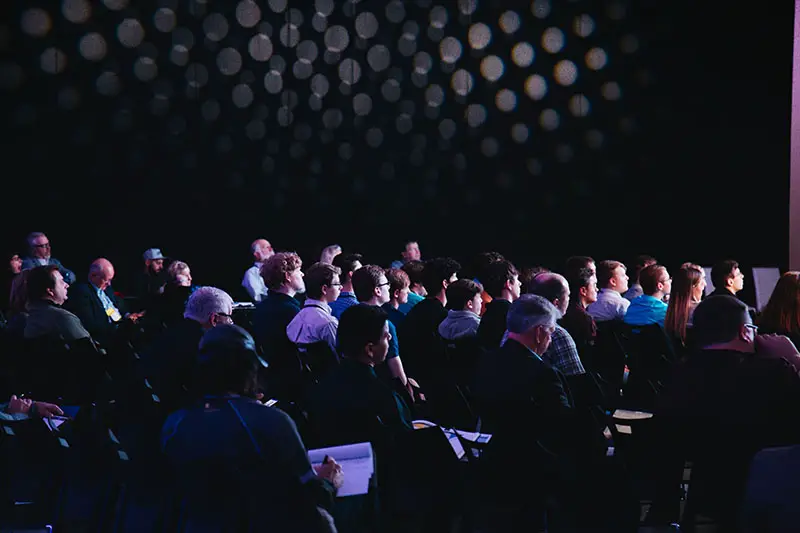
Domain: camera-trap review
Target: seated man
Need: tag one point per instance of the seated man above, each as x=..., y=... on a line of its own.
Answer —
x=578, y=323
x=39, y=255
x=416, y=292
x=501, y=281
x=348, y=264
x=399, y=289
x=150, y=283
x=649, y=308
x=727, y=278
x=410, y=253
x=314, y=323
x=252, y=282
x=640, y=263
x=47, y=292
x=613, y=283
x=464, y=303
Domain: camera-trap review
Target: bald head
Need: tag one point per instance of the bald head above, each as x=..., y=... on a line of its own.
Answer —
x=101, y=272
x=261, y=250
x=553, y=287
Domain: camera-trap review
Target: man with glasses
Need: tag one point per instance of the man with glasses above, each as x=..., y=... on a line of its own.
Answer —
x=649, y=308
x=39, y=250
x=315, y=323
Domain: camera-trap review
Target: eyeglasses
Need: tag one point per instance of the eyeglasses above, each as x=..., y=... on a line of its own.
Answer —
x=384, y=284
x=228, y=317
x=45, y=245
x=752, y=326
x=335, y=285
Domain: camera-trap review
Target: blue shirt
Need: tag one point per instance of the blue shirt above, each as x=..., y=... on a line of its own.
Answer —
x=645, y=310
x=413, y=299
x=345, y=300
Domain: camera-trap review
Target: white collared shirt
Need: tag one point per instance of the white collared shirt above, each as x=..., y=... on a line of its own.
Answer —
x=254, y=283
x=314, y=323
x=610, y=305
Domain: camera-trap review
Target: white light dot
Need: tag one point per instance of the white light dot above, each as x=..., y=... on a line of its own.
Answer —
x=76, y=11
x=278, y=6
x=549, y=119
x=362, y=104
x=164, y=20
x=320, y=85
x=462, y=82
x=53, y=61
x=579, y=105
x=36, y=22
x=242, y=96
x=349, y=71
x=438, y=17
x=476, y=115
x=520, y=133
x=215, y=27
x=506, y=100
x=447, y=129
x=229, y=61
x=319, y=22
x=108, y=84
x=130, y=33
x=492, y=68
x=553, y=40
x=92, y=46
x=509, y=22
x=260, y=47
x=324, y=7
x=145, y=69
x=273, y=82
x=596, y=58
x=583, y=26
x=196, y=75
x=540, y=8
x=183, y=36
x=611, y=91
x=450, y=49
x=332, y=119
x=379, y=58
x=289, y=35
x=374, y=137
x=395, y=11
x=255, y=130
x=434, y=96
x=337, y=39
x=307, y=51
x=248, y=14
x=179, y=55
x=366, y=25
x=565, y=72
x=522, y=54
x=391, y=90
x=404, y=123
x=116, y=5
x=536, y=87
x=479, y=36
x=422, y=63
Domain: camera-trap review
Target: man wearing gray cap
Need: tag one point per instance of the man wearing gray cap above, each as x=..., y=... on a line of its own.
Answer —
x=150, y=282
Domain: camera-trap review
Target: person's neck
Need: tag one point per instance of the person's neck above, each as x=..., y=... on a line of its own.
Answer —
x=394, y=303
x=419, y=291
x=731, y=290
x=525, y=341
x=373, y=301
x=735, y=345
x=364, y=360
x=442, y=298
x=288, y=291
x=584, y=303
x=657, y=295
x=347, y=287
x=48, y=300
x=506, y=295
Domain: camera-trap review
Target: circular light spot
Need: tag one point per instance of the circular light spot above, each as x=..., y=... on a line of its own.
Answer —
x=242, y=96
x=255, y=130
x=553, y=40
x=285, y=116
x=536, y=87
x=540, y=8
x=229, y=61
x=611, y=91
x=506, y=100
x=76, y=11
x=319, y=22
x=422, y=63
x=479, y=36
x=549, y=119
x=509, y=22
x=395, y=11
x=277, y=63
x=53, y=61
x=307, y=51
x=596, y=58
x=391, y=90
x=248, y=14
x=565, y=72
x=108, y=84
x=404, y=123
x=116, y=5
x=476, y=115
x=302, y=70
x=349, y=71
x=68, y=98
x=522, y=54
x=145, y=69
x=434, y=96
x=629, y=44
x=337, y=39
x=183, y=36
x=438, y=17
x=534, y=166
x=467, y=7
x=324, y=7
x=447, y=129
x=196, y=75
x=215, y=27
x=210, y=110
x=583, y=26
x=36, y=22
x=179, y=55
x=490, y=147
x=579, y=105
x=92, y=46
x=379, y=58
x=366, y=25
x=289, y=35
x=594, y=139
x=273, y=82
x=462, y=82
x=407, y=45
x=260, y=47
x=320, y=85
x=164, y=20
x=492, y=68
x=450, y=49
x=315, y=103
x=332, y=119
x=362, y=104
x=130, y=33
x=278, y=6
x=374, y=137
x=520, y=133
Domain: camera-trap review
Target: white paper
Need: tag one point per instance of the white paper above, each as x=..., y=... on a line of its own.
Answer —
x=623, y=414
x=357, y=463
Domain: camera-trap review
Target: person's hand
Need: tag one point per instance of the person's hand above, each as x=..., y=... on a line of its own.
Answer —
x=413, y=390
x=134, y=317
x=332, y=471
x=776, y=346
x=47, y=410
x=19, y=406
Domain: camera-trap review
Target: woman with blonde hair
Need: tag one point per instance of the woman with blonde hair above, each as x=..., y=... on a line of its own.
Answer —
x=688, y=285
x=782, y=313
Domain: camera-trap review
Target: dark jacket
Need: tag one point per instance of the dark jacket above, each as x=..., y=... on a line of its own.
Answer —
x=85, y=304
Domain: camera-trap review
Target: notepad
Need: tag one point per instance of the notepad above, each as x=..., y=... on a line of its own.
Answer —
x=358, y=465
x=453, y=434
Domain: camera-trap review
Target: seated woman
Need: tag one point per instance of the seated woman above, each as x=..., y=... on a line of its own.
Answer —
x=688, y=285
x=172, y=302
x=240, y=465
x=782, y=313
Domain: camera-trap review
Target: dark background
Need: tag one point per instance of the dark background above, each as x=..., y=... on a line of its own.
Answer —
x=693, y=165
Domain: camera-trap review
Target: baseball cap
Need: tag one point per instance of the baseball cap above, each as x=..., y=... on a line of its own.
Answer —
x=153, y=253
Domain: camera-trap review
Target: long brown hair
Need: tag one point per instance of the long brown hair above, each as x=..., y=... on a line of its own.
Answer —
x=680, y=300
x=782, y=312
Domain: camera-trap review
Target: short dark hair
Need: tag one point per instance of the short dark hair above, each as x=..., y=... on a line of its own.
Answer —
x=528, y=274
x=347, y=262
x=579, y=279
x=605, y=271
x=722, y=271
x=496, y=276
x=482, y=262
x=718, y=319
x=274, y=269
x=649, y=278
x=319, y=275
x=39, y=280
x=548, y=285
x=365, y=279
x=640, y=262
x=437, y=271
x=414, y=270
x=575, y=263
x=359, y=325
x=460, y=292
x=398, y=279
x=227, y=362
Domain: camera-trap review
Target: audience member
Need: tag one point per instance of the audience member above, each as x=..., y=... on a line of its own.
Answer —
x=640, y=263
x=727, y=278
x=399, y=288
x=252, y=282
x=577, y=263
x=7, y=276
x=503, y=285
x=314, y=323
x=329, y=252
x=417, y=291
x=17, y=314
x=687, y=291
x=170, y=305
x=348, y=263
x=410, y=253
x=579, y=324
x=527, y=275
x=24, y=408
x=39, y=255
x=482, y=262
x=649, y=308
x=47, y=292
x=613, y=283
x=150, y=283
x=782, y=313
x=464, y=304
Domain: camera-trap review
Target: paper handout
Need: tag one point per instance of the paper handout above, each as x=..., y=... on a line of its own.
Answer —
x=358, y=465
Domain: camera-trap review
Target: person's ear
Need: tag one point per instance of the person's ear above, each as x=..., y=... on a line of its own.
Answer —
x=396, y=294
x=583, y=291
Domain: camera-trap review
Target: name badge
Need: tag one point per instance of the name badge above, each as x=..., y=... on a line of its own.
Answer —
x=113, y=314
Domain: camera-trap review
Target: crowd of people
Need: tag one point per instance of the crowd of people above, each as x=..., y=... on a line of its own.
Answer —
x=361, y=351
